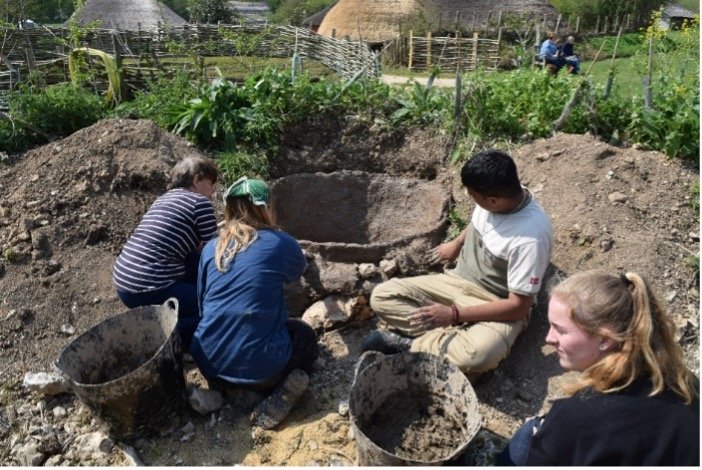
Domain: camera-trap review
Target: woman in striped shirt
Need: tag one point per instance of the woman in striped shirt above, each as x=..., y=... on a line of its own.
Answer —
x=161, y=256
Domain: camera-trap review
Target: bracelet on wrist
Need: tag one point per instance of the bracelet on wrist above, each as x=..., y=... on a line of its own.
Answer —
x=454, y=310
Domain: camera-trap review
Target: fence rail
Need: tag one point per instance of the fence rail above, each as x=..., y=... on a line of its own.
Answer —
x=452, y=53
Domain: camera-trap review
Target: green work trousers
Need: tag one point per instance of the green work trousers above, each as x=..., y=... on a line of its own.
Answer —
x=474, y=347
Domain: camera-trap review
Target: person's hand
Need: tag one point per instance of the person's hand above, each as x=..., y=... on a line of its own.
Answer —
x=431, y=316
x=446, y=251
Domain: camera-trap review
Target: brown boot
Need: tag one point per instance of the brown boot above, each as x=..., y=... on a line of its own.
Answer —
x=276, y=407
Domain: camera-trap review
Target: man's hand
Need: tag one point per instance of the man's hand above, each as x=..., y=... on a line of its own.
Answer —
x=446, y=252
x=432, y=315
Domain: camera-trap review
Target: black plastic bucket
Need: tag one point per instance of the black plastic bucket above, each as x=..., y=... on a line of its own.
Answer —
x=411, y=409
x=128, y=369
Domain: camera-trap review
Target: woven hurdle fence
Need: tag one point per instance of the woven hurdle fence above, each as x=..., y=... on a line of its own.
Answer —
x=46, y=49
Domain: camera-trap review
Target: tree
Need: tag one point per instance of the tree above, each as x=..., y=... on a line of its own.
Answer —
x=209, y=11
x=42, y=11
x=178, y=6
x=590, y=10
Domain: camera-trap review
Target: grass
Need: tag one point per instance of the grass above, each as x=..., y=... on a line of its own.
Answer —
x=629, y=71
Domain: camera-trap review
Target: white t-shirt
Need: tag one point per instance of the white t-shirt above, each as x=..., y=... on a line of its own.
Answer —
x=506, y=253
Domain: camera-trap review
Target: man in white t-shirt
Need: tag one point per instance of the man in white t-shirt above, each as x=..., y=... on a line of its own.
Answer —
x=473, y=314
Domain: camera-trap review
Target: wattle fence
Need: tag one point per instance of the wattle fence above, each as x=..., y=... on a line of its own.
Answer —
x=46, y=49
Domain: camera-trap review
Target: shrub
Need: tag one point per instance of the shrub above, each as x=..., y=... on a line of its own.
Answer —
x=56, y=110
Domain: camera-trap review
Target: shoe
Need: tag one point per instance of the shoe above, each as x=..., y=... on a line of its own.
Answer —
x=276, y=407
x=386, y=342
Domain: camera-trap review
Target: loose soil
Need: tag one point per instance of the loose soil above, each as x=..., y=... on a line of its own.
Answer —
x=68, y=207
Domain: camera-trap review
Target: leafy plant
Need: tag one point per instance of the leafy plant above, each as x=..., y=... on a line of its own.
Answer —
x=209, y=11
x=52, y=111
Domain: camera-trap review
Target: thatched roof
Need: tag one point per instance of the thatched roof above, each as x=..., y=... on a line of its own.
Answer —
x=369, y=20
x=127, y=14
x=380, y=20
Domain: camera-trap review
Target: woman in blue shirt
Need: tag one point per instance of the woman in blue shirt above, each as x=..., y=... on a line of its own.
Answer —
x=244, y=337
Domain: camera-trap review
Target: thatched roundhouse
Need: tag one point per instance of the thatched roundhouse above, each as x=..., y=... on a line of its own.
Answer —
x=369, y=20
x=381, y=20
x=127, y=14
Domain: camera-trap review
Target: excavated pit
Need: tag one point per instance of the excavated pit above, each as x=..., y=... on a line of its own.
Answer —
x=354, y=217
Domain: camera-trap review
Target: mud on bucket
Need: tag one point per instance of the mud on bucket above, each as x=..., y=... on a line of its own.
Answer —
x=128, y=369
x=411, y=409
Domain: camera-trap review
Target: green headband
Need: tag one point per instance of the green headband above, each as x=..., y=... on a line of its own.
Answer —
x=255, y=190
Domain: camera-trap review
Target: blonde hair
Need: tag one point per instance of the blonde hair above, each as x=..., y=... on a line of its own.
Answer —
x=242, y=222
x=624, y=309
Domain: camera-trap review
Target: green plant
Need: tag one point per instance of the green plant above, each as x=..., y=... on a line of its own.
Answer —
x=422, y=105
x=695, y=197
x=161, y=99
x=458, y=223
x=209, y=11
x=233, y=165
x=52, y=111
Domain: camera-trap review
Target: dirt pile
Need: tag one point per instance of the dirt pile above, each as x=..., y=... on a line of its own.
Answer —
x=68, y=207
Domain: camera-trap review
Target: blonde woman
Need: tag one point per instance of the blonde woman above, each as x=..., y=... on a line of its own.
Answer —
x=636, y=402
x=244, y=337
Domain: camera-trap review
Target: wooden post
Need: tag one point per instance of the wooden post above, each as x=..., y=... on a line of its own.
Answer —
x=428, y=50
x=441, y=14
x=648, y=93
x=118, y=56
x=488, y=20
x=558, y=24
x=334, y=33
x=499, y=20
x=457, y=19
x=475, y=50
x=597, y=25
x=628, y=20
x=31, y=63
x=577, y=24
x=610, y=75
x=543, y=25
x=411, y=51
x=474, y=19
x=458, y=52
x=606, y=24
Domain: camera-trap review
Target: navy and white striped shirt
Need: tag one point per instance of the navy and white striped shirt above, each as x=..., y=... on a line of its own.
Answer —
x=173, y=227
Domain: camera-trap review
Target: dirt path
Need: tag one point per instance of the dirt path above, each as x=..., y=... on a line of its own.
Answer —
x=401, y=80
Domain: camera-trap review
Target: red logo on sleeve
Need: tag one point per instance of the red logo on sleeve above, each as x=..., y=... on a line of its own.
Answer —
x=534, y=281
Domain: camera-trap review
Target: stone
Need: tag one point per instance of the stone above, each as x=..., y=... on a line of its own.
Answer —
x=92, y=445
x=366, y=270
x=45, y=383
x=606, y=245
x=130, y=456
x=29, y=455
x=617, y=197
x=59, y=412
x=40, y=242
x=67, y=329
x=327, y=314
x=388, y=267
x=343, y=408
x=205, y=401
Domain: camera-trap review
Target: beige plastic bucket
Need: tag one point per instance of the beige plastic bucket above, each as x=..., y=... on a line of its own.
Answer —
x=128, y=369
x=393, y=396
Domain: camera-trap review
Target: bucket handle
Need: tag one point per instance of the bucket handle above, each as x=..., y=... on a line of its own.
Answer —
x=171, y=304
x=366, y=359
